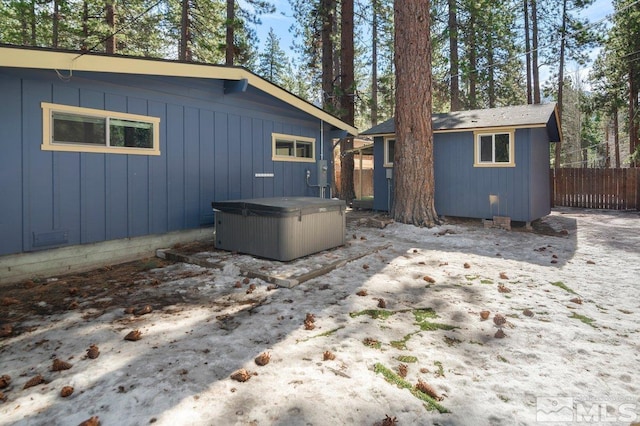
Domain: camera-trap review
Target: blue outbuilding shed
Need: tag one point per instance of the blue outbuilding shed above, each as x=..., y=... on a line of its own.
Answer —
x=97, y=149
x=490, y=162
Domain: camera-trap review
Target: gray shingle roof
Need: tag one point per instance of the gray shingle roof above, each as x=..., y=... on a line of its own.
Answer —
x=522, y=115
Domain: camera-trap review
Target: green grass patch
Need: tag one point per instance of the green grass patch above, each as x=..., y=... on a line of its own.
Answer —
x=424, y=313
x=516, y=316
x=486, y=281
x=502, y=359
x=476, y=343
x=373, y=313
x=402, y=344
x=584, y=319
x=563, y=286
x=503, y=398
x=393, y=378
x=325, y=334
x=471, y=277
x=602, y=308
x=409, y=359
x=433, y=326
x=440, y=372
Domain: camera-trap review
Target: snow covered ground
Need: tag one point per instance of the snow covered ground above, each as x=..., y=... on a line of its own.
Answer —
x=570, y=352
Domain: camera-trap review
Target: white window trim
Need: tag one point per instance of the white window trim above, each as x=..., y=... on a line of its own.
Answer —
x=47, y=131
x=294, y=139
x=387, y=161
x=492, y=132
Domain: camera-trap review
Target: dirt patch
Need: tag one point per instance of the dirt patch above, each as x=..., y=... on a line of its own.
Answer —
x=116, y=286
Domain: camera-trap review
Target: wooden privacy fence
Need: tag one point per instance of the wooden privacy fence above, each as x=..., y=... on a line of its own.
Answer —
x=614, y=189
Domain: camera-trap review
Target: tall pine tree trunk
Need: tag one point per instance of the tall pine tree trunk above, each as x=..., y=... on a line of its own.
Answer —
x=32, y=22
x=453, y=56
x=563, y=32
x=413, y=174
x=527, y=47
x=347, y=106
x=326, y=38
x=534, y=54
x=633, y=112
x=231, y=17
x=85, y=25
x=616, y=135
x=473, y=59
x=185, y=32
x=56, y=24
x=110, y=42
x=374, y=63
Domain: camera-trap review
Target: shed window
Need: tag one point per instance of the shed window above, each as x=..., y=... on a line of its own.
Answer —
x=389, y=151
x=494, y=149
x=293, y=148
x=67, y=128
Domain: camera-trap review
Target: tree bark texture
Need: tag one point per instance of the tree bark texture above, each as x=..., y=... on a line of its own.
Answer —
x=347, y=105
x=110, y=42
x=374, y=64
x=527, y=48
x=326, y=38
x=616, y=136
x=453, y=56
x=413, y=173
x=563, y=32
x=185, y=32
x=230, y=47
x=473, y=60
x=534, y=54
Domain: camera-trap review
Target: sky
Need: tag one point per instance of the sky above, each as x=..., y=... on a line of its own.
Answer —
x=282, y=20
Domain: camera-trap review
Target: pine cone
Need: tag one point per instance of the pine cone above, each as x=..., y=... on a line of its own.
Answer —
x=5, y=380
x=402, y=370
x=466, y=265
x=503, y=276
x=484, y=314
x=66, y=391
x=93, y=421
x=503, y=289
x=6, y=330
x=362, y=293
x=310, y=318
x=381, y=303
x=59, y=365
x=133, y=336
x=328, y=356
x=263, y=359
x=528, y=312
x=426, y=388
x=241, y=375
x=93, y=352
x=499, y=320
x=500, y=334
x=34, y=381
x=147, y=309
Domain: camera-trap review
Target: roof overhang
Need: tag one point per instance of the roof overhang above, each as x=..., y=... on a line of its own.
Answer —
x=19, y=57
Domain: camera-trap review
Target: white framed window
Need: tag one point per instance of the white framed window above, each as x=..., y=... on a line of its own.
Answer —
x=389, y=151
x=293, y=148
x=77, y=129
x=494, y=149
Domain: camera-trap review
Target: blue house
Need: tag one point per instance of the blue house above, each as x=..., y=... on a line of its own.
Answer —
x=105, y=158
x=491, y=162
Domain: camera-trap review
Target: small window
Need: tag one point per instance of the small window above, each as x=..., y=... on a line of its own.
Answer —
x=293, y=148
x=67, y=128
x=389, y=151
x=494, y=150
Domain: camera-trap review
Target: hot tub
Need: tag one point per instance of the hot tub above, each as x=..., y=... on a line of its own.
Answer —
x=279, y=228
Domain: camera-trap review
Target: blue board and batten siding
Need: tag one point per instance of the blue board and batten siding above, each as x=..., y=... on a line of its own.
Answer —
x=212, y=145
x=463, y=190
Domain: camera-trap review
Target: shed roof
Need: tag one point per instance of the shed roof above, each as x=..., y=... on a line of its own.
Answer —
x=522, y=116
x=40, y=58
